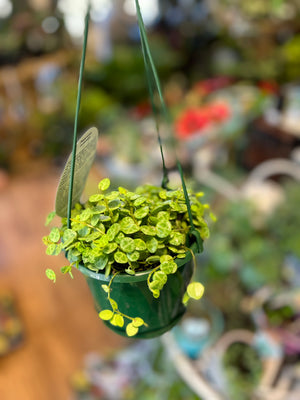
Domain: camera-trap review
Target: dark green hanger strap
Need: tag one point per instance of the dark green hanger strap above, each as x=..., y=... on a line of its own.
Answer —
x=70, y=194
x=153, y=80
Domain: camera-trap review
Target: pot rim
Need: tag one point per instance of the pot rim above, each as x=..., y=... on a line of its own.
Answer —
x=140, y=276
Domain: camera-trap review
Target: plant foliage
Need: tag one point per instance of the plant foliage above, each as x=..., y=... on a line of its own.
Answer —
x=122, y=231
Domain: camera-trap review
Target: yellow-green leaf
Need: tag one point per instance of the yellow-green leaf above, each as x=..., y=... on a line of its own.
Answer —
x=112, y=231
x=104, y=184
x=140, y=213
x=54, y=235
x=114, y=320
x=50, y=250
x=119, y=320
x=195, y=290
x=106, y=315
x=131, y=330
x=120, y=257
x=140, y=245
x=186, y=298
x=163, y=228
x=95, y=198
x=137, y=322
x=127, y=244
x=148, y=230
x=105, y=288
x=134, y=256
x=50, y=217
x=51, y=275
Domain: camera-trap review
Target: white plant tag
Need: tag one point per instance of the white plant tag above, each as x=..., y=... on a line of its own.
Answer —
x=85, y=155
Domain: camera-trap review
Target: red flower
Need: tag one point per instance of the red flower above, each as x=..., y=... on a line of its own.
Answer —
x=191, y=121
x=218, y=112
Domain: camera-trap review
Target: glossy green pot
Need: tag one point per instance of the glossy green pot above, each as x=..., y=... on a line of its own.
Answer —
x=136, y=300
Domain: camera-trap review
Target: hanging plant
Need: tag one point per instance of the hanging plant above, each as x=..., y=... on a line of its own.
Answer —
x=134, y=247
x=132, y=234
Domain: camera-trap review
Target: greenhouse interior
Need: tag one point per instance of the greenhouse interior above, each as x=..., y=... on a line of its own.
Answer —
x=150, y=156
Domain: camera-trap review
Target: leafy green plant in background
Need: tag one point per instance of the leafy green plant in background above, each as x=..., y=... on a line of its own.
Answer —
x=242, y=257
x=129, y=232
x=240, y=247
x=243, y=370
x=284, y=223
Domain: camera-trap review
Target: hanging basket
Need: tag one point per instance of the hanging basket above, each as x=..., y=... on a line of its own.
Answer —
x=134, y=297
x=142, y=304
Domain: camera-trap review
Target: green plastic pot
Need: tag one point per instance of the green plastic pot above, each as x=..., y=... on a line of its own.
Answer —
x=136, y=300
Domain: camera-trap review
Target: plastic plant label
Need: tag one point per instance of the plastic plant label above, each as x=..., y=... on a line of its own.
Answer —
x=85, y=155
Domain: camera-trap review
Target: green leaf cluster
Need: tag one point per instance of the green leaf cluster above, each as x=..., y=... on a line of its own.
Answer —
x=128, y=231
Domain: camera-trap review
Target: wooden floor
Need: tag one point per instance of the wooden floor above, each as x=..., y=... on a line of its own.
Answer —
x=59, y=320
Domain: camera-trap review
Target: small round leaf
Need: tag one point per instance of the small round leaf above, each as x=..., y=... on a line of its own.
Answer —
x=163, y=228
x=95, y=198
x=165, y=257
x=119, y=320
x=122, y=190
x=181, y=255
x=128, y=225
x=68, y=237
x=50, y=217
x=161, y=277
x=106, y=315
x=195, y=290
x=113, y=304
x=105, y=288
x=120, y=257
x=168, y=267
x=104, y=184
x=140, y=213
x=134, y=256
x=50, y=250
x=131, y=330
x=186, y=298
x=140, y=245
x=177, y=239
x=129, y=271
x=50, y=275
x=163, y=215
x=114, y=204
x=102, y=241
x=127, y=244
x=114, y=320
x=149, y=230
x=139, y=201
x=110, y=248
x=54, y=235
x=137, y=322
x=113, y=230
x=101, y=262
x=152, y=245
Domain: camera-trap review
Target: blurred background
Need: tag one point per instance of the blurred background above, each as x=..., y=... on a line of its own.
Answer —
x=230, y=74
